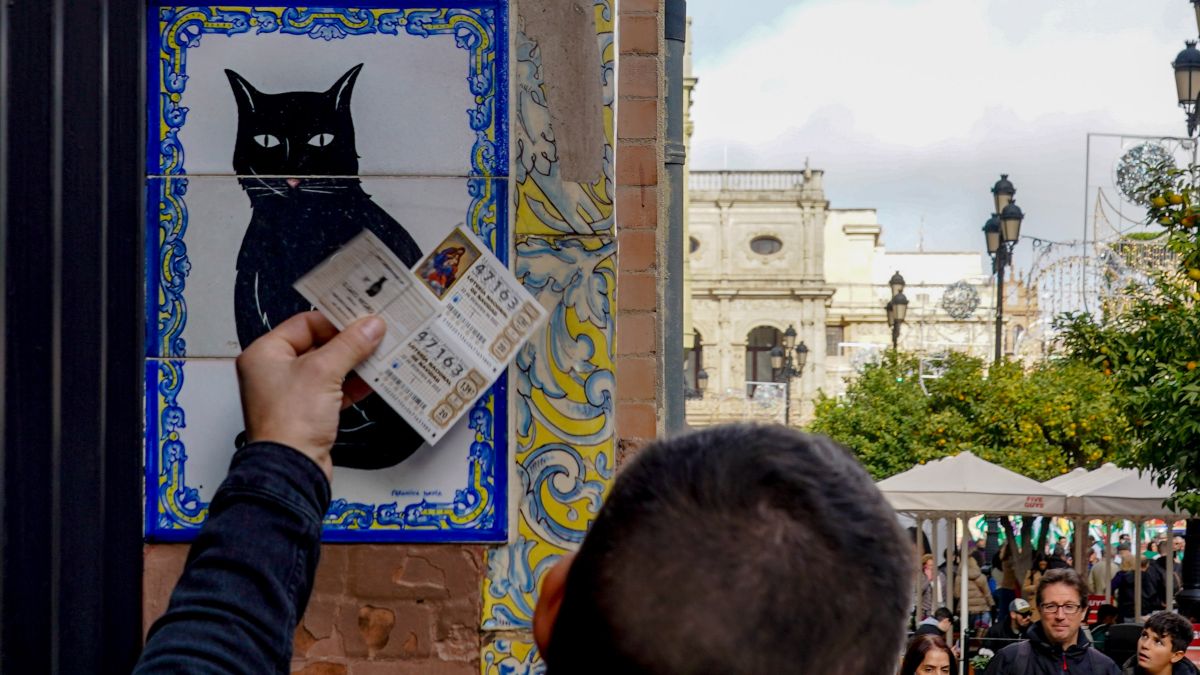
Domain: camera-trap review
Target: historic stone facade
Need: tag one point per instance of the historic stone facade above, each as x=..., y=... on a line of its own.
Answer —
x=768, y=253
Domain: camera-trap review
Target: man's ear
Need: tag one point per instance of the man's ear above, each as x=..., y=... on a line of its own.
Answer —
x=554, y=587
x=1177, y=657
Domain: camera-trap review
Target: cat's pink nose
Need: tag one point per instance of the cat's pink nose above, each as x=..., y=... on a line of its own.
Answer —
x=293, y=182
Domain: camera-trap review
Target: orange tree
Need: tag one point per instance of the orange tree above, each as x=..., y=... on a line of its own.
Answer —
x=1039, y=422
x=1149, y=346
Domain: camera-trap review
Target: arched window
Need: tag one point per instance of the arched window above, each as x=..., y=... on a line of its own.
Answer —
x=1018, y=332
x=758, y=355
x=693, y=363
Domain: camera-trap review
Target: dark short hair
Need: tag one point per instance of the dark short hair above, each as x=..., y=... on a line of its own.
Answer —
x=1106, y=610
x=1063, y=575
x=717, y=552
x=943, y=613
x=1173, y=625
x=919, y=647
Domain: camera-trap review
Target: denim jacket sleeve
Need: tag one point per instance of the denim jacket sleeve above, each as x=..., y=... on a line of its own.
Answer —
x=250, y=570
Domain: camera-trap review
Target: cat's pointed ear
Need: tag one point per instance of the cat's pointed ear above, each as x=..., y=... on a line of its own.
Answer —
x=243, y=92
x=341, y=90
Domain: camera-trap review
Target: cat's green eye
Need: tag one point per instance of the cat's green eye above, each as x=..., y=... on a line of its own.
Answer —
x=321, y=140
x=266, y=140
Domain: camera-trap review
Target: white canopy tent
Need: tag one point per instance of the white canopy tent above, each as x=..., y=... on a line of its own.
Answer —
x=1111, y=492
x=963, y=485
x=967, y=484
x=1058, y=482
x=1131, y=495
x=1074, y=483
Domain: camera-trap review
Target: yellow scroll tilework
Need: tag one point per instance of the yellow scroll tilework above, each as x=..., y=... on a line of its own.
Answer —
x=564, y=379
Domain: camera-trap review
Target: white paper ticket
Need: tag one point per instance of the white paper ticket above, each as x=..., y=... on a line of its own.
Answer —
x=455, y=321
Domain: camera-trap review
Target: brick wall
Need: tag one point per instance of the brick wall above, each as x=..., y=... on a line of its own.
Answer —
x=374, y=609
x=640, y=133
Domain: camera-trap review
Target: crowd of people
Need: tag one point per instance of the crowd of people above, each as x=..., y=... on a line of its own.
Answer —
x=1057, y=643
x=1035, y=622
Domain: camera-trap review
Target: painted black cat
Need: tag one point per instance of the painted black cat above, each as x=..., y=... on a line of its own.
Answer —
x=296, y=159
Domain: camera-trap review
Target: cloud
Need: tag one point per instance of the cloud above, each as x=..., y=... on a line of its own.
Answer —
x=916, y=106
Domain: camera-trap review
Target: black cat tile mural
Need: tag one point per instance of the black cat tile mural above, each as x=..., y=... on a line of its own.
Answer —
x=296, y=159
x=336, y=119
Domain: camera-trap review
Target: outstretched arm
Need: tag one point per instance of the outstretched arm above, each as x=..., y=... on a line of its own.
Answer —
x=250, y=570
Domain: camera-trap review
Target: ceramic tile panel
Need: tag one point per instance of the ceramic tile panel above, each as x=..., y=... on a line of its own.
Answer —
x=512, y=657
x=423, y=91
x=565, y=380
x=543, y=203
x=448, y=492
x=207, y=283
x=275, y=134
x=564, y=425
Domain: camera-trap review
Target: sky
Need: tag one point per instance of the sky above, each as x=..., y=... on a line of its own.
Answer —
x=915, y=107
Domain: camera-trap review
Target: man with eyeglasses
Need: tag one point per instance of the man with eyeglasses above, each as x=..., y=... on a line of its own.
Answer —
x=1056, y=646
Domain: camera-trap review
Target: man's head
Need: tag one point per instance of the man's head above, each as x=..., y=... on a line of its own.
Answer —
x=1106, y=614
x=1164, y=642
x=1061, y=598
x=1179, y=543
x=1124, y=539
x=717, y=552
x=1021, y=614
x=945, y=618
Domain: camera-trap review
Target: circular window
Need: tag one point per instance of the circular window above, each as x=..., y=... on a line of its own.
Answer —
x=765, y=245
x=693, y=244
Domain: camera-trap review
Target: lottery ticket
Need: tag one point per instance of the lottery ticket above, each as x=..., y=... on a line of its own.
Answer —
x=455, y=321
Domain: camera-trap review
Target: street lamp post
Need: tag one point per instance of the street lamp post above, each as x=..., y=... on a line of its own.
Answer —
x=787, y=361
x=1187, y=80
x=1187, y=86
x=897, y=307
x=1001, y=233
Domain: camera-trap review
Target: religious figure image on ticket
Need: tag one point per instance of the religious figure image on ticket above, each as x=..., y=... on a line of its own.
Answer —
x=443, y=267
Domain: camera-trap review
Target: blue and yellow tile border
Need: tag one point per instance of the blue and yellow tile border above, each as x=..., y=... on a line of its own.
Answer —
x=174, y=510
x=565, y=379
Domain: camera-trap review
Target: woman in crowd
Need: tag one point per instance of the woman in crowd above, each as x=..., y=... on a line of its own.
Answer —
x=929, y=580
x=928, y=655
x=1122, y=586
x=979, y=594
x=1032, y=577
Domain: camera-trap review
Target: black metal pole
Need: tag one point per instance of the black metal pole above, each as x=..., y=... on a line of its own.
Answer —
x=787, y=398
x=1189, y=595
x=1001, y=261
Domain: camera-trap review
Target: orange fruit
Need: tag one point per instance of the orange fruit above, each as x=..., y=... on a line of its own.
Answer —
x=1191, y=365
x=1158, y=201
x=1194, y=274
x=1174, y=198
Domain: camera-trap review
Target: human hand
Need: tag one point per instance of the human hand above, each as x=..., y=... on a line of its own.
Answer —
x=293, y=381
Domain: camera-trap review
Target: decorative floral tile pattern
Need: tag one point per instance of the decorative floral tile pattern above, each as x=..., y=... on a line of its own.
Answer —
x=565, y=379
x=512, y=657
